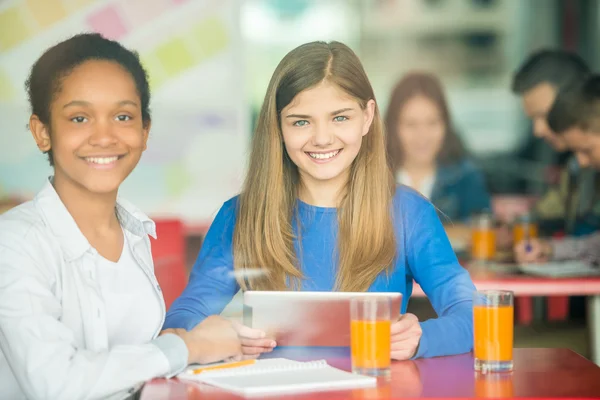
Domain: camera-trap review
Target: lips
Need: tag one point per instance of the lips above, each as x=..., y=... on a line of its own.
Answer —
x=101, y=160
x=323, y=156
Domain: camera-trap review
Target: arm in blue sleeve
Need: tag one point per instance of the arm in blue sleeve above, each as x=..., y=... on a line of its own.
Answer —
x=212, y=284
x=447, y=285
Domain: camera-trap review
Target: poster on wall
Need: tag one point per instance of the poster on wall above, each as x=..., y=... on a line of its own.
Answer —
x=200, y=124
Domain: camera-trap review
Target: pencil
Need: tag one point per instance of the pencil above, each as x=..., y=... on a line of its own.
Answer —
x=223, y=366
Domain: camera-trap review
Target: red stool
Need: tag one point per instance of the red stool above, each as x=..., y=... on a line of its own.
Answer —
x=524, y=309
x=168, y=253
x=558, y=308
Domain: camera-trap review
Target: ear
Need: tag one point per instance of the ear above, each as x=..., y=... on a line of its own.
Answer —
x=40, y=132
x=146, y=133
x=369, y=113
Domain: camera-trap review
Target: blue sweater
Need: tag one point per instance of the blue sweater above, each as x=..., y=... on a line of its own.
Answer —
x=424, y=254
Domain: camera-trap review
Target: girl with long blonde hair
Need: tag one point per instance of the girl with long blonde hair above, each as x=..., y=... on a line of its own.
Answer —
x=320, y=211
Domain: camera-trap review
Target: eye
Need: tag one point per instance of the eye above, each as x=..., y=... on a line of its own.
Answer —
x=340, y=118
x=79, y=120
x=301, y=122
x=123, y=118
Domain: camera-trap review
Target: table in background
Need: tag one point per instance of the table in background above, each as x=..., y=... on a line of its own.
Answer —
x=537, y=373
x=527, y=285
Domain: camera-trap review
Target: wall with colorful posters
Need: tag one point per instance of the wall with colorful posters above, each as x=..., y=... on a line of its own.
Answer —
x=192, y=51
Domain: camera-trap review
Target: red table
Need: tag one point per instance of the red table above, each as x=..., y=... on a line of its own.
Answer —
x=526, y=285
x=537, y=373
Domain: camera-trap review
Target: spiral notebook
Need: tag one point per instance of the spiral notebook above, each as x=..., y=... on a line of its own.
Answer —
x=278, y=376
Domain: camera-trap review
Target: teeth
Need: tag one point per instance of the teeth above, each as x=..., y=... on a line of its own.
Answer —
x=101, y=160
x=324, y=156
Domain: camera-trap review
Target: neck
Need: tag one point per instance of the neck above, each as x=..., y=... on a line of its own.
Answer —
x=94, y=213
x=418, y=173
x=322, y=193
x=419, y=169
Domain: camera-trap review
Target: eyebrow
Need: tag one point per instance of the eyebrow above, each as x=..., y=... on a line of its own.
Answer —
x=87, y=104
x=337, y=112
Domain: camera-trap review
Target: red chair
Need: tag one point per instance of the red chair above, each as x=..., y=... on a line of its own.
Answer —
x=168, y=252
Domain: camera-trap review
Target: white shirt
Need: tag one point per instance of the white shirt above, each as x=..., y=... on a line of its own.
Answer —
x=132, y=308
x=54, y=339
x=426, y=187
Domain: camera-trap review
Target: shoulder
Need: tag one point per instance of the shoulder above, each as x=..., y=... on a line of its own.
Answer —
x=19, y=223
x=230, y=206
x=228, y=210
x=414, y=216
x=464, y=172
x=462, y=168
x=469, y=169
x=409, y=204
x=225, y=219
x=26, y=241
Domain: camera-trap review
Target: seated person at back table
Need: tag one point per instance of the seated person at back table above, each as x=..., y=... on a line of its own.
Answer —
x=320, y=211
x=80, y=307
x=538, y=81
x=575, y=116
x=427, y=154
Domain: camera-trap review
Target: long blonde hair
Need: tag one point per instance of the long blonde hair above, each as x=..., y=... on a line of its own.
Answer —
x=263, y=236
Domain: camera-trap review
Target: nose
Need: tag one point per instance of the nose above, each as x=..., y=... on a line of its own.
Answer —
x=103, y=135
x=322, y=136
x=583, y=160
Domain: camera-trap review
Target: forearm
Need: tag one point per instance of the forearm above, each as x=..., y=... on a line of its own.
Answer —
x=50, y=368
x=447, y=335
x=206, y=294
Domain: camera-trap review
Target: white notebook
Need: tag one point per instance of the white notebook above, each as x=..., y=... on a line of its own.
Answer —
x=277, y=376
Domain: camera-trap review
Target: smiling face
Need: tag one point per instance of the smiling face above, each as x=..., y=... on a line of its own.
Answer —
x=323, y=128
x=96, y=131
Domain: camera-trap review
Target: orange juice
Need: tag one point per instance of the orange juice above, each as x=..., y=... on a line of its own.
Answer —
x=493, y=332
x=483, y=246
x=370, y=344
x=520, y=230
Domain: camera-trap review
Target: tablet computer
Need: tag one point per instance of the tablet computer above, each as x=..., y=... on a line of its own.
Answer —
x=297, y=318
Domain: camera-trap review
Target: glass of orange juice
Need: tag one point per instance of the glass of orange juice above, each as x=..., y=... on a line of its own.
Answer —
x=524, y=228
x=493, y=320
x=370, y=335
x=483, y=238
